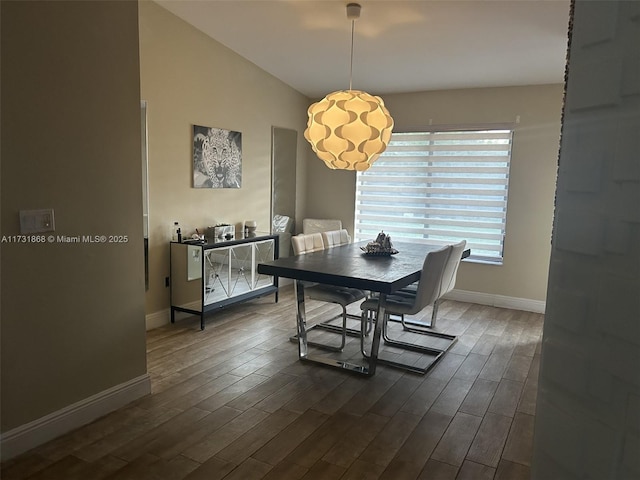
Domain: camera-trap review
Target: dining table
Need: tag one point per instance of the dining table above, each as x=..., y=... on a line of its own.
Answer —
x=349, y=266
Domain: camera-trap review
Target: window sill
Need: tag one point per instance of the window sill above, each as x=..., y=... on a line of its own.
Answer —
x=497, y=263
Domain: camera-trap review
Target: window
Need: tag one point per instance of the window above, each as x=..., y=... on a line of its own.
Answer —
x=440, y=186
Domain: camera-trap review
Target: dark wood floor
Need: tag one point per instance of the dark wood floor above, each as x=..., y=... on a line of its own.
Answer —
x=234, y=402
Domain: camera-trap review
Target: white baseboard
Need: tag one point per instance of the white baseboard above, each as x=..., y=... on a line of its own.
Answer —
x=163, y=317
x=515, y=303
x=158, y=319
x=28, y=436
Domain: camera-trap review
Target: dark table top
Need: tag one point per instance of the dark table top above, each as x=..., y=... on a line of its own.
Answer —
x=348, y=266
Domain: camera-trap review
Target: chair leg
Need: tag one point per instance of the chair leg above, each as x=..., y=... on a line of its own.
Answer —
x=332, y=328
x=436, y=353
x=385, y=333
x=369, y=322
x=424, y=328
x=407, y=324
x=434, y=314
x=366, y=323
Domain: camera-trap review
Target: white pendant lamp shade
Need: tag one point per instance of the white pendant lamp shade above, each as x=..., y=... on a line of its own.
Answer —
x=349, y=129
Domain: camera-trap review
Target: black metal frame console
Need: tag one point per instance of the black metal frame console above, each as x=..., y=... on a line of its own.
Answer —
x=209, y=276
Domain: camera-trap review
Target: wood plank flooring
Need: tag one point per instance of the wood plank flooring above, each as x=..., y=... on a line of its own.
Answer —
x=234, y=402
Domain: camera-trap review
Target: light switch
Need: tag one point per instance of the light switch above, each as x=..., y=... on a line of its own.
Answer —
x=37, y=221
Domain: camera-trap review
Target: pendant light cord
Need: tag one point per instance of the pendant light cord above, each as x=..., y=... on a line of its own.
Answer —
x=351, y=64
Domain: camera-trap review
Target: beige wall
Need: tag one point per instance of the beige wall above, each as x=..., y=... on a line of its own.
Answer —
x=72, y=314
x=180, y=80
x=187, y=78
x=531, y=187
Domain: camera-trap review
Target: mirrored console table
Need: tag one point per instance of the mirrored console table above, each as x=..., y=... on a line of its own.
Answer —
x=212, y=275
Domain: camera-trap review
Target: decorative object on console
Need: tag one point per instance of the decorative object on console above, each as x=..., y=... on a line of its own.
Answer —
x=198, y=235
x=221, y=230
x=217, y=158
x=250, y=226
x=176, y=232
x=283, y=226
x=349, y=129
x=381, y=246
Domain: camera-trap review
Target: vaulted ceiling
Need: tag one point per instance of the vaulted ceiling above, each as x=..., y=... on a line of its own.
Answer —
x=399, y=46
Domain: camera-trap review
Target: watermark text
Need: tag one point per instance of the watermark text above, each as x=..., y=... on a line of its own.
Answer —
x=23, y=239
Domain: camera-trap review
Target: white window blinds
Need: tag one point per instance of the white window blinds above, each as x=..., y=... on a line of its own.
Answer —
x=439, y=187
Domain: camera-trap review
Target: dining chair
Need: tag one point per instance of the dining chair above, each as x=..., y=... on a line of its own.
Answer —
x=319, y=225
x=449, y=277
x=343, y=296
x=307, y=243
x=335, y=238
x=427, y=292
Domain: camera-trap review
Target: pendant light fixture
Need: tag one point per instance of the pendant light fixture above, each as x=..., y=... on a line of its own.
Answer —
x=349, y=129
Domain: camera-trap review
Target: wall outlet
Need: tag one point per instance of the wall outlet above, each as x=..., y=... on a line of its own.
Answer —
x=37, y=221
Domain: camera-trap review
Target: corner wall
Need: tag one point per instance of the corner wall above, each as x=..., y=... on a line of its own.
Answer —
x=72, y=313
x=587, y=423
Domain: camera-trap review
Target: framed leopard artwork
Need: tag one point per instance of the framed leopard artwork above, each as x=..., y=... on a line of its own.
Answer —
x=217, y=158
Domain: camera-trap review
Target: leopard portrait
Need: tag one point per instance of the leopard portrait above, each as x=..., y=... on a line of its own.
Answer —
x=217, y=158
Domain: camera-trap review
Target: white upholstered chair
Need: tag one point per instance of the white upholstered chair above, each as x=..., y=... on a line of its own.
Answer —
x=438, y=274
x=334, y=238
x=307, y=243
x=343, y=296
x=319, y=225
x=448, y=283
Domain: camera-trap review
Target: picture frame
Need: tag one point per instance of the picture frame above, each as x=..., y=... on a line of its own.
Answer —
x=217, y=158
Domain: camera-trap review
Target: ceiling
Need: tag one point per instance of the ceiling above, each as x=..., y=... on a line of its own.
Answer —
x=399, y=46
